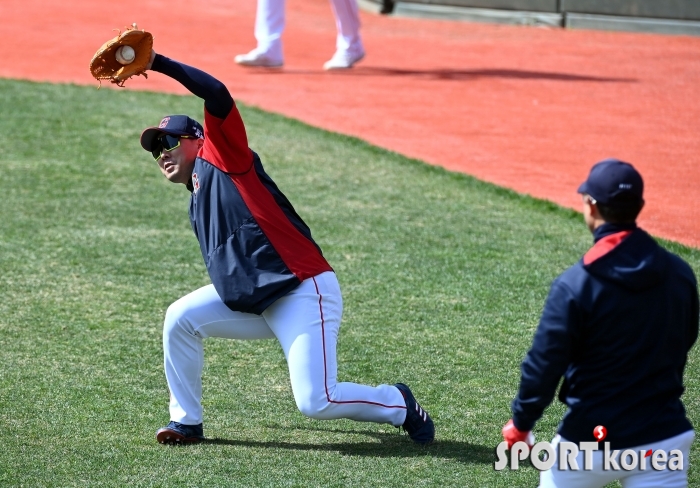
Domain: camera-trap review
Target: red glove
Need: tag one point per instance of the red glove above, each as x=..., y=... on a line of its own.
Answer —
x=511, y=435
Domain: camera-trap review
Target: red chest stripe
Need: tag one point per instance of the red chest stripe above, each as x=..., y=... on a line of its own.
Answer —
x=299, y=254
x=604, y=246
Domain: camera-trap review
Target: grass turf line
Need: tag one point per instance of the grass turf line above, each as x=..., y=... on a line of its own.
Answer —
x=443, y=277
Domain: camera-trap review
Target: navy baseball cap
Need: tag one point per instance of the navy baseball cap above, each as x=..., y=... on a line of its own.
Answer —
x=615, y=183
x=176, y=125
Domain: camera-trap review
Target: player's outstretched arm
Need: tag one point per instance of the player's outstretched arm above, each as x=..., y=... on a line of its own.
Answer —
x=217, y=99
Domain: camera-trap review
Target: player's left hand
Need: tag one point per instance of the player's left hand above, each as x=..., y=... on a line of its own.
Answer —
x=105, y=66
x=511, y=435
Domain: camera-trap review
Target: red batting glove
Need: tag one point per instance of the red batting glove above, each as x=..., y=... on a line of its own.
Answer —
x=511, y=435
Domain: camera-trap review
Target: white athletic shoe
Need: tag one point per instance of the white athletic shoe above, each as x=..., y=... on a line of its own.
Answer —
x=343, y=60
x=256, y=58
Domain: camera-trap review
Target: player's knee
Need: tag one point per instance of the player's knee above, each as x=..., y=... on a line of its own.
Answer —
x=315, y=406
x=314, y=410
x=175, y=321
x=172, y=316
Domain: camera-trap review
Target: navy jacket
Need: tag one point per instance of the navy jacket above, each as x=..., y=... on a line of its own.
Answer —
x=254, y=244
x=617, y=326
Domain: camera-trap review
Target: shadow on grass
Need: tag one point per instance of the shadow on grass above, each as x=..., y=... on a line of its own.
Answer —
x=388, y=445
x=450, y=74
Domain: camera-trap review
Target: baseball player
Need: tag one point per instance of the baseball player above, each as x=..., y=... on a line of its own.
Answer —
x=617, y=326
x=269, y=24
x=269, y=277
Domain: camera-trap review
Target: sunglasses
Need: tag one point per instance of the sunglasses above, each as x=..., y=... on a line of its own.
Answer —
x=167, y=142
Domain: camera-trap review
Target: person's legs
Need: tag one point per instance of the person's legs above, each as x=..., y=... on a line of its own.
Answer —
x=269, y=25
x=349, y=49
x=347, y=21
x=190, y=319
x=306, y=323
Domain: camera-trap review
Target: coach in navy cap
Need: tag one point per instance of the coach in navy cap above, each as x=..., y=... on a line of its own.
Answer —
x=617, y=327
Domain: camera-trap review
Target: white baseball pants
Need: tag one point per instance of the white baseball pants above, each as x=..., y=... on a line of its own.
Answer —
x=269, y=24
x=305, y=322
x=636, y=478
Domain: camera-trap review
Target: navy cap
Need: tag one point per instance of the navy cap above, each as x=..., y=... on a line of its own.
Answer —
x=615, y=183
x=176, y=125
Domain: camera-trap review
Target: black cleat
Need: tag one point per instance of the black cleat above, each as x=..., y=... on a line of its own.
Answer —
x=176, y=433
x=418, y=423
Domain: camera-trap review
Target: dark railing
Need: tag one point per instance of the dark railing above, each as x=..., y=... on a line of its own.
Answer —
x=666, y=16
x=664, y=9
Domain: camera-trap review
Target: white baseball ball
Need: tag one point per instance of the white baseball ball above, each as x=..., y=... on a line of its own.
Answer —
x=125, y=55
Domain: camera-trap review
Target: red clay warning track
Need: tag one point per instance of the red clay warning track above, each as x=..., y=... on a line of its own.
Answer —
x=527, y=108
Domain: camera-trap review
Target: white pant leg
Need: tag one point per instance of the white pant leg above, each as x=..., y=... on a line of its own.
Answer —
x=306, y=323
x=269, y=25
x=637, y=478
x=651, y=478
x=193, y=317
x=347, y=21
x=596, y=478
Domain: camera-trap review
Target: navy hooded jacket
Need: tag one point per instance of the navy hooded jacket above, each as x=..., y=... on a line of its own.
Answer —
x=617, y=326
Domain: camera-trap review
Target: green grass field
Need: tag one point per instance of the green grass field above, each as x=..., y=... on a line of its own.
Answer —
x=443, y=276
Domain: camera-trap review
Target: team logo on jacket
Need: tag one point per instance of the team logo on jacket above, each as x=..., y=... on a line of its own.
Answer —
x=195, y=183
